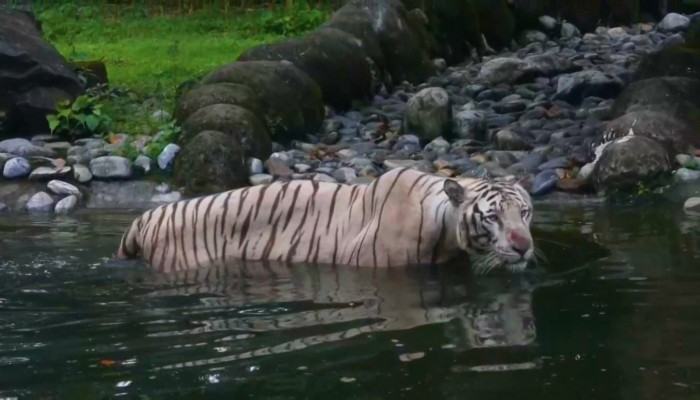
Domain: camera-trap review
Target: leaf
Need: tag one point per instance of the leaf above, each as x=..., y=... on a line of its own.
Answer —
x=53, y=123
x=92, y=122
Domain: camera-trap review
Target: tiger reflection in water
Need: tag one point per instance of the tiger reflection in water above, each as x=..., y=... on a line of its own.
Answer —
x=369, y=300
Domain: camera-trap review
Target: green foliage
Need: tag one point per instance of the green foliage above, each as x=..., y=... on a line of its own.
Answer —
x=168, y=133
x=127, y=150
x=82, y=117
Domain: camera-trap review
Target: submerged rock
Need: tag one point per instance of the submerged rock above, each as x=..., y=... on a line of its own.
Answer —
x=41, y=201
x=66, y=204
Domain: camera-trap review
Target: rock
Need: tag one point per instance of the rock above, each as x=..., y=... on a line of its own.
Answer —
x=345, y=175
x=354, y=19
x=569, y=31
x=144, y=163
x=685, y=174
x=429, y=114
x=334, y=59
x=548, y=23
x=16, y=168
x=243, y=128
x=470, y=124
x=255, y=166
x=170, y=197
x=669, y=61
x=110, y=167
x=82, y=173
x=573, y=88
x=628, y=161
x=513, y=70
x=63, y=188
x=44, y=173
x=674, y=134
x=323, y=178
x=23, y=147
x=41, y=201
x=217, y=93
x=260, y=179
x=3, y=207
x=66, y=204
x=163, y=188
x=692, y=205
x=392, y=164
x=33, y=73
x=559, y=162
x=544, y=182
x=506, y=139
x=278, y=168
x=167, y=156
x=673, y=22
x=211, y=163
x=291, y=103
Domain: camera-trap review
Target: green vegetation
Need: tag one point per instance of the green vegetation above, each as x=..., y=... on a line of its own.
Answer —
x=149, y=50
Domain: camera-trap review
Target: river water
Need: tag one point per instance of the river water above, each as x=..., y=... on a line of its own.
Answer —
x=614, y=314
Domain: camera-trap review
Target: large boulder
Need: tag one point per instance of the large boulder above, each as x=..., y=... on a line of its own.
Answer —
x=675, y=97
x=334, y=59
x=575, y=87
x=216, y=93
x=675, y=135
x=406, y=56
x=429, y=114
x=670, y=61
x=33, y=75
x=455, y=26
x=496, y=22
x=242, y=126
x=290, y=101
x=629, y=161
x=211, y=163
x=354, y=19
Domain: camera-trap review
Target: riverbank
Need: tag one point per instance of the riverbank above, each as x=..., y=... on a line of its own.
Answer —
x=537, y=111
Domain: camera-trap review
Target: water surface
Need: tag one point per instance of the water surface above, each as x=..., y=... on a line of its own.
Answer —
x=615, y=315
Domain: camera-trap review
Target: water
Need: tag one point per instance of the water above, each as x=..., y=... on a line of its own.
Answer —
x=614, y=316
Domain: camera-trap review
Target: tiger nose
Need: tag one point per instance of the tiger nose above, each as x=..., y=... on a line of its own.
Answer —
x=519, y=242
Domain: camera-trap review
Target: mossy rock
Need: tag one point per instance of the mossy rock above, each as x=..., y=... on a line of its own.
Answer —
x=290, y=101
x=243, y=127
x=405, y=52
x=496, y=21
x=455, y=26
x=331, y=57
x=211, y=163
x=354, y=20
x=216, y=93
x=679, y=61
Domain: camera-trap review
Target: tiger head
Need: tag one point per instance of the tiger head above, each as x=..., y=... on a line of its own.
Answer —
x=493, y=222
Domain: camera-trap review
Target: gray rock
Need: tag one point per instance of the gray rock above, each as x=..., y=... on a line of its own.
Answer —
x=162, y=188
x=569, y=31
x=574, y=87
x=685, y=174
x=143, y=162
x=3, y=207
x=169, y=197
x=429, y=113
x=54, y=146
x=544, y=182
x=16, y=168
x=63, y=188
x=673, y=22
x=302, y=168
x=506, y=139
x=323, y=178
x=346, y=154
x=24, y=148
x=547, y=22
x=108, y=167
x=392, y=164
x=44, y=173
x=470, y=124
x=167, y=156
x=260, y=179
x=439, y=146
x=82, y=173
x=618, y=33
x=559, y=162
x=41, y=201
x=255, y=166
x=345, y=175
x=692, y=205
x=66, y=204
x=90, y=143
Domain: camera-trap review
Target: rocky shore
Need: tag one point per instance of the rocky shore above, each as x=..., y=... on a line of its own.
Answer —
x=585, y=114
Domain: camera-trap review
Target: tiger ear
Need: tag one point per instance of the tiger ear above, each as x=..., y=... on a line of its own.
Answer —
x=455, y=192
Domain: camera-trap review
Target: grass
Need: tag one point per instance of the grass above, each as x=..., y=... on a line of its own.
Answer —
x=150, y=55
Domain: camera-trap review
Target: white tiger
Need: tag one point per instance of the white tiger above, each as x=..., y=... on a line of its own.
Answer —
x=404, y=217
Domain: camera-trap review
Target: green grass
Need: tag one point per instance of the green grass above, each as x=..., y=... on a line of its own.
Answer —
x=150, y=55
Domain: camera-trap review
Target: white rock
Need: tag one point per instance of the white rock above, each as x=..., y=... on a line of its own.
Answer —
x=674, y=22
x=66, y=204
x=41, y=201
x=692, y=205
x=255, y=166
x=16, y=168
x=167, y=156
x=48, y=173
x=82, y=173
x=323, y=178
x=111, y=167
x=260, y=179
x=64, y=188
